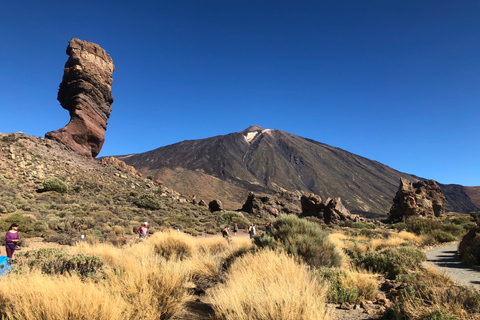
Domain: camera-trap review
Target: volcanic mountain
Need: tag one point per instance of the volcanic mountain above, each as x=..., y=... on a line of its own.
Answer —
x=227, y=167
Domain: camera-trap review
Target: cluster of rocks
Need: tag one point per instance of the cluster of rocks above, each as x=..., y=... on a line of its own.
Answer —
x=421, y=198
x=331, y=211
x=122, y=166
x=309, y=204
x=85, y=92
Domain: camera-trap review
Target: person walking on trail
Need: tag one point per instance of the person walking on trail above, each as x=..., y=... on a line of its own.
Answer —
x=143, y=231
x=225, y=233
x=269, y=228
x=235, y=230
x=11, y=239
x=251, y=231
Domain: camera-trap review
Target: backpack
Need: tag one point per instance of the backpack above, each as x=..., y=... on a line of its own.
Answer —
x=250, y=229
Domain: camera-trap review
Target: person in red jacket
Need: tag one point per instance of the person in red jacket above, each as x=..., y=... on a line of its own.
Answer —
x=143, y=231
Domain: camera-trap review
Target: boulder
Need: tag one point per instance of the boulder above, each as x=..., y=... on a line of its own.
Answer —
x=422, y=199
x=312, y=205
x=86, y=93
x=215, y=205
x=468, y=239
x=335, y=212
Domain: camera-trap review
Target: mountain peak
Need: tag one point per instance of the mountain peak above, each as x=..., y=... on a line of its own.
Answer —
x=253, y=129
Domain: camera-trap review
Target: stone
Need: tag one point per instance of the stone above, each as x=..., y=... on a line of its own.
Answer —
x=421, y=199
x=336, y=212
x=271, y=206
x=215, y=205
x=312, y=205
x=85, y=92
x=120, y=165
x=468, y=239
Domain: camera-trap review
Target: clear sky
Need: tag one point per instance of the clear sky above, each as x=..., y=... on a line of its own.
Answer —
x=393, y=81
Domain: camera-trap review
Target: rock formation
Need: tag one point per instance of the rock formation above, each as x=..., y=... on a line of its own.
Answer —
x=86, y=93
x=332, y=211
x=468, y=239
x=215, y=205
x=422, y=198
x=271, y=206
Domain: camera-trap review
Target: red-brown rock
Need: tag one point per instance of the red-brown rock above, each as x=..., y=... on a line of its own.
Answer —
x=422, y=198
x=86, y=93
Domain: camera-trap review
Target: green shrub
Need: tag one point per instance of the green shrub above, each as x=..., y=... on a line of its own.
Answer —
x=439, y=314
x=265, y=241
x=392, y=261
x=442, y=236
x=232, y=217
x=362, y=225
x=55, y=184
x=336, y=292
x=304, y=239
x=55, y=261
x=148, y=201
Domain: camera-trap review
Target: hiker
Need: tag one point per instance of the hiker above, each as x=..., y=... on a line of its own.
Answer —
x=143, y=231
x=225, y=232
x=251, y=231
x=269, y=228
x=11, y=239
x=235, y=229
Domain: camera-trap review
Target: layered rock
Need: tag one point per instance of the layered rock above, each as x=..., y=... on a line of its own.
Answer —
x=86, y=93
x=422, y=198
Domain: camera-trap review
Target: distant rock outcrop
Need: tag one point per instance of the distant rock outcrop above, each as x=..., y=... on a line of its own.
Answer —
x=332, y=211
x=422, y=198
x=271, y=206
x=122, y=166
x=86, y=93
x=215, y=205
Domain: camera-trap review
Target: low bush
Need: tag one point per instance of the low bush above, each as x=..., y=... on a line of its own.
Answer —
x=346, y=286
x=232, y=217
x=148, y=201
x=55, y=261
x=392, y=261
x=304, y=239
x=55, y=184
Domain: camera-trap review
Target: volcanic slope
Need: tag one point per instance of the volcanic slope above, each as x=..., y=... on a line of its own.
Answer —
x=264, y=160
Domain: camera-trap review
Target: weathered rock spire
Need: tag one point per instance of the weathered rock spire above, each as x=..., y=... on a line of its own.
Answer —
x=86, y=93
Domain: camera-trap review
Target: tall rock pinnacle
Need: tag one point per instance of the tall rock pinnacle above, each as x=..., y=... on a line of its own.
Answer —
x=86, y=93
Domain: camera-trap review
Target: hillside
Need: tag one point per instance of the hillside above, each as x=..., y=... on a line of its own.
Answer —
x=102, y=201
x=272, y=160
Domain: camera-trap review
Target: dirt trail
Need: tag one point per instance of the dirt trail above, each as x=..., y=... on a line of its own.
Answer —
x=445, y=258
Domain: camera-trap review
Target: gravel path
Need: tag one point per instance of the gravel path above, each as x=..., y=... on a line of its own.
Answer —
x=446, y=259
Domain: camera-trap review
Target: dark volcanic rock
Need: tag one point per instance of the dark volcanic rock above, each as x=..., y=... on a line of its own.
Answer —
x=335, y=212
x=332, y=211
x=312, y=205
x=468, y=239
x=266, y=205
x=422, y=198
x=86, y=93
x=215, y=205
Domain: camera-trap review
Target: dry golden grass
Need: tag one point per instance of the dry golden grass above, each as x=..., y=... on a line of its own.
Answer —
x=269, y=285
x=35, y=296
x=364, y=282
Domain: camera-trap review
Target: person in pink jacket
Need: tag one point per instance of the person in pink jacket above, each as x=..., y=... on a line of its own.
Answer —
x=11, y=239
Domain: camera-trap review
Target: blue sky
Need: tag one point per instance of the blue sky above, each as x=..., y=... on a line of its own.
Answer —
x=393, y=81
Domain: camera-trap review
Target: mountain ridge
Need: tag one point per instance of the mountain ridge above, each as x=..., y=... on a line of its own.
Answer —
x=270, y=160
